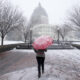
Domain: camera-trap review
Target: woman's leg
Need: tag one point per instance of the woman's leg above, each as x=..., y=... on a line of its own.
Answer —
x=39, y=64
x=43, y=58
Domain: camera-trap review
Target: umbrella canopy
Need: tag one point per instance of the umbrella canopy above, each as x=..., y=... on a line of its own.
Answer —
x=42, y=42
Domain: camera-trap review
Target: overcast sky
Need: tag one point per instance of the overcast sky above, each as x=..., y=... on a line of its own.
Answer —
x=57, y=10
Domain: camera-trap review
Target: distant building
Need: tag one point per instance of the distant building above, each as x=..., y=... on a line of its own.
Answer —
x=39, y=25
x=39, y=16
x=44, y=29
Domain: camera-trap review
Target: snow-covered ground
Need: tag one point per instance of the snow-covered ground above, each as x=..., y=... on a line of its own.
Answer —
x=76, y=43
x=59, y=65
x=14, y=42
x=11, y=42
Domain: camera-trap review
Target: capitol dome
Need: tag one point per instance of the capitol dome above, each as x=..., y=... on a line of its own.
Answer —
x=39, y=16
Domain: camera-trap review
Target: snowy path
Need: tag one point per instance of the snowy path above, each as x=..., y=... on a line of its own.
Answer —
x=59, y=65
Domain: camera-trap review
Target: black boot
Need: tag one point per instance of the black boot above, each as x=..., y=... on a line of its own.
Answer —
x=42, y=71
x=39, y=75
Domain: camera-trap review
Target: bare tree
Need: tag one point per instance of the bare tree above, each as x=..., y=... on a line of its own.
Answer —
x=10, y=19
x=65, y=30
x=74, y=17
x=25, y=30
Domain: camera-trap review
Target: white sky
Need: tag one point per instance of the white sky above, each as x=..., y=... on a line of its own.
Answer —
x=57, y=10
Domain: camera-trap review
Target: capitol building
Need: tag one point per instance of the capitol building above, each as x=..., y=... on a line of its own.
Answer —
x=39, y=23
x=44, y=29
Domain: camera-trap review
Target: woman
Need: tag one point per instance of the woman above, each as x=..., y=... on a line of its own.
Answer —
x=40, y=57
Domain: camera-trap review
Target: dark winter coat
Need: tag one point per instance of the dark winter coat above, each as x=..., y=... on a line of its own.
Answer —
x=40, y=53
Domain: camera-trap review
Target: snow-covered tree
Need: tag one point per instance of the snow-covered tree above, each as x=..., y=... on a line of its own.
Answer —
x=74, y=17
x=10, y=19
x=66, y=31
x=25, y=30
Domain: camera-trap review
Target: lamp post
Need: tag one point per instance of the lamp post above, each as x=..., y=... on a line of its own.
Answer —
x=30, y=36
x=58, y=34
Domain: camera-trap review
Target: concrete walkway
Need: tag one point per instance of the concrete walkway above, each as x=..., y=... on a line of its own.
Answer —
x=16, y=60
x=59, y=65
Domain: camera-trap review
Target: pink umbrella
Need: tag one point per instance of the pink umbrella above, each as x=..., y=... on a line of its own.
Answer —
x=42, y=42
